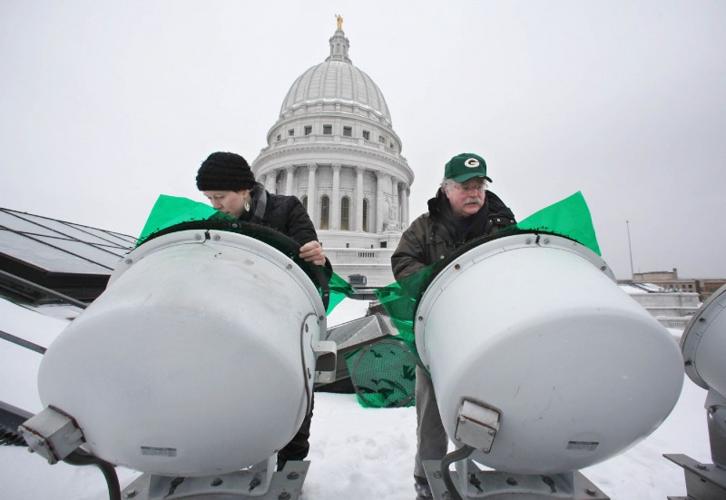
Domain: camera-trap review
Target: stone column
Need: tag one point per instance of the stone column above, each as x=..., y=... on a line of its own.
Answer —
x=380, y=207
x=312, y=201
x=406, y=195
x=401, y=191
x=358, y=225
x=270, y=181
x=335, y=202
x=288, y=180
x=395, y=202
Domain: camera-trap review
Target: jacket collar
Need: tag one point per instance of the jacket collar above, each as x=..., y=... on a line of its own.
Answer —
x=258, y=204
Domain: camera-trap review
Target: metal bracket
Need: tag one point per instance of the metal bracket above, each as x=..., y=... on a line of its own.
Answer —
x=703, y=481
x=246, y=484
x=325, y=361
x=497, y=485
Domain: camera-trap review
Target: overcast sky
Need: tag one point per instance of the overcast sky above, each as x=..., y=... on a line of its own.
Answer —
x=106, y=104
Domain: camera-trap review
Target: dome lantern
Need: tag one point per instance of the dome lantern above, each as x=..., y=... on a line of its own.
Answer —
x=339, y=44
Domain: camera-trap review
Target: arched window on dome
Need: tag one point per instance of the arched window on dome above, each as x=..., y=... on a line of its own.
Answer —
x=365, y=214
x=345, y=214
x=324, y=211
x=304, y=201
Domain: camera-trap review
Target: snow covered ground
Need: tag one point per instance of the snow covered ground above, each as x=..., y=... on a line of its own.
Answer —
x=356, y=453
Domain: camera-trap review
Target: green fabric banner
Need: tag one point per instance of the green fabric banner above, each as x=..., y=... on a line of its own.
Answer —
x=172, y=210
x=569, y=217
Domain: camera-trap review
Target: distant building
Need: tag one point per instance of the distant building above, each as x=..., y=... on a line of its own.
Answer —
x=670, y=282
x=672, y=309
x=333, y=146
x=706, y=287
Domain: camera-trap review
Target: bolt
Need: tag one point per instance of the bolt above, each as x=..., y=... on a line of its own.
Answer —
x=457, y=266
x=591, y=492
x=130, y=494
x=701, y=467
x=420, y=318
x=293, y=475
x=217, y=481
x=284, y=496
x=546, y=241
x=511, y=481
x=603, y=268
x=289, y=266
x=216, y=237
x=701, y=319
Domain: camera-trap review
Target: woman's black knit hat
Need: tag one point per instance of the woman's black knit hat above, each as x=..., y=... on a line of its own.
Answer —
x=225, y=172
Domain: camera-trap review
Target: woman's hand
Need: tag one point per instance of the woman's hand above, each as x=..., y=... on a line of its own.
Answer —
x=312, y=251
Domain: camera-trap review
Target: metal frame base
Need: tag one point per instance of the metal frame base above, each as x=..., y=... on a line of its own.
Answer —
x=492, y=485
x=284, y=485
x=703, y=481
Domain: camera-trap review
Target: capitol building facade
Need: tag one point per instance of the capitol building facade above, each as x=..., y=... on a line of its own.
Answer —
x=334, y=147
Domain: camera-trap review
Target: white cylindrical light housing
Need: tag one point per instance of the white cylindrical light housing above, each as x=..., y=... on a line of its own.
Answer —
x=562, y=368
x=196, y=360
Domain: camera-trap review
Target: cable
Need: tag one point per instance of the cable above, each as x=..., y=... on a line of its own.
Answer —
x=456, y=455
x=80, y=457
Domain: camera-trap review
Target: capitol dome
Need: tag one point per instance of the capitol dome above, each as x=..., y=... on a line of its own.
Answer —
x=333, y=146
x=336, y=80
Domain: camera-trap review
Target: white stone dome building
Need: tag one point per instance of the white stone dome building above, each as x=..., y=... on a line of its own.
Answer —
x=334, y=147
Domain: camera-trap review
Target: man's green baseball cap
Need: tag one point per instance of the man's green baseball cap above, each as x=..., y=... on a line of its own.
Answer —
x=465, y=166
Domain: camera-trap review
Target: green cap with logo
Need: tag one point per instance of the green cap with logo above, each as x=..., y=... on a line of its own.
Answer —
x=465, y=166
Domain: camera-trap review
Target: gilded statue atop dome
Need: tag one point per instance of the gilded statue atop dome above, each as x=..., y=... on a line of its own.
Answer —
x=339, y=21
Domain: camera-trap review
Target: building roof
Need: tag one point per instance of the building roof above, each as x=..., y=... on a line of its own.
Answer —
x=336, y=80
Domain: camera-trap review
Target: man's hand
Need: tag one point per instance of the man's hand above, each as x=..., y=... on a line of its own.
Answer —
x=312, y=252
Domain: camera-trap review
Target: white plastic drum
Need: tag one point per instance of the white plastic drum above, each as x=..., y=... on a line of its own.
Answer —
x=534, y=327
x=196, y=360
x=704, y=344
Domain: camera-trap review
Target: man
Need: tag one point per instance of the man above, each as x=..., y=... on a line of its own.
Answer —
x=462, y=210
x=227, y=181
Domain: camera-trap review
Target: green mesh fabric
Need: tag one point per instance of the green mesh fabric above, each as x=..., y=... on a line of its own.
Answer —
x=172, y=210
x=383, y=374
x=400, y=300
x=339, y=289
x=569, y=217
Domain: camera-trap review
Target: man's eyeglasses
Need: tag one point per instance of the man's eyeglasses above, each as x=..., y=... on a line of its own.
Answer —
x=477, y=185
